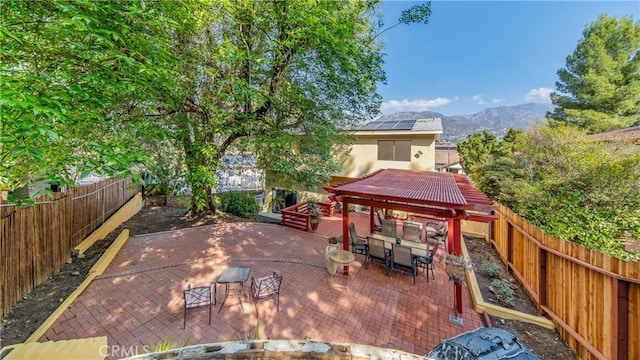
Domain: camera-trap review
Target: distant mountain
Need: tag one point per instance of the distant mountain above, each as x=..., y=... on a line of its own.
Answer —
x=496, y=120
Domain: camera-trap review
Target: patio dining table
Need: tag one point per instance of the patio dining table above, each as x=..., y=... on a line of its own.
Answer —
x=389, y=241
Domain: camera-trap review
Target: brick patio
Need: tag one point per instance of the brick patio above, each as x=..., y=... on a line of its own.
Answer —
x=138, y=299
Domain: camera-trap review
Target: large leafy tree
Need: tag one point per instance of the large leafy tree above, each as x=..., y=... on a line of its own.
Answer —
x=77, y=78
x=476, y=150
x=491, y=163
x=281, y=79
x=599, y=88
x=97, y=86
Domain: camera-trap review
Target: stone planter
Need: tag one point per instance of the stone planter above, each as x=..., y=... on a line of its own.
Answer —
x=456, y=273
x=331, y=265
x=456, y=268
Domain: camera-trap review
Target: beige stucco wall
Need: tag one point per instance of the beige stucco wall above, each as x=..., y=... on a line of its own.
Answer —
x=363, y=157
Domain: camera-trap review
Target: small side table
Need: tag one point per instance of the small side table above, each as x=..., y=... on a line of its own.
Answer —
x=342, y=258
x=233, y=275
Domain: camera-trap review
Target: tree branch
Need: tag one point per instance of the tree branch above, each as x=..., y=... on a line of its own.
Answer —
x=221, y=150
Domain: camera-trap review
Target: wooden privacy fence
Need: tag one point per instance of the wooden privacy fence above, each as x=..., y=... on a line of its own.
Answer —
x=35, y=241
x=593, y=299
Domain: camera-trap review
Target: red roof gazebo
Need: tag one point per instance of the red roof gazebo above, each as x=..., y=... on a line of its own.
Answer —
x=445, y=195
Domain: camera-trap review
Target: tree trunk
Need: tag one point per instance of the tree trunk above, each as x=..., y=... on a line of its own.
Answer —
x=201, y=200
x=201, y=177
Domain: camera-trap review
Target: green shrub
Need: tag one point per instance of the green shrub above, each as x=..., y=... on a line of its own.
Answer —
x=490, y=268
x=240, y=204
x=504, y=293
x=156, y=189
x=165, y=345
x=256, y=333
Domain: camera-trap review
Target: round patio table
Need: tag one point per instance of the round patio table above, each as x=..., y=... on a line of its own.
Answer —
x=344, y=258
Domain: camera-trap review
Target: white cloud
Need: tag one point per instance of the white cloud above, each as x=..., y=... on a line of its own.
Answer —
x=539, y=94
x=478, y=99
x=413, y=105
x=495, y=100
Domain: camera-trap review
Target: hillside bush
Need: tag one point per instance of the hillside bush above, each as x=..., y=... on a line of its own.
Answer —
x=240, y=204
x=567, y=184
x=156, y=189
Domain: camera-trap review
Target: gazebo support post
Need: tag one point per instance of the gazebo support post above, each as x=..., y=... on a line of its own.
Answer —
x=455, y=236
x=372, y=224
x=345, y=230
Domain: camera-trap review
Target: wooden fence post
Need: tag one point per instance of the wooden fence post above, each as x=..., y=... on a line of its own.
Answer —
x=620, y=309
x=102, y=196
x=542, y=280
x=509, y=244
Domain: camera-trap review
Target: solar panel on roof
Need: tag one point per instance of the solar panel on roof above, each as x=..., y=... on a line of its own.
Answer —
x=387, y=125
x=405, y=125
x=371, y=125
x=390, y=125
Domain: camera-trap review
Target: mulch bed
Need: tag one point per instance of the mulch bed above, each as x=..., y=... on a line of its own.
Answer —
x=545, y=343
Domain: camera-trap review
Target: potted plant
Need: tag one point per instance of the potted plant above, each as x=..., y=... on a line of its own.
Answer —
x=456, y=267
x=314, y=214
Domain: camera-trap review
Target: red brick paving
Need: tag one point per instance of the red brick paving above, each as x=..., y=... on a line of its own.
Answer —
x=138, y=299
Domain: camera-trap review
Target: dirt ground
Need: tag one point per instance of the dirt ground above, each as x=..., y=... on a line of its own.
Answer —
x=34, y=309
x=545, y=343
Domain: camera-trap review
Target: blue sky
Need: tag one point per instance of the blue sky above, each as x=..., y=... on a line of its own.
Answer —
x=478, y=54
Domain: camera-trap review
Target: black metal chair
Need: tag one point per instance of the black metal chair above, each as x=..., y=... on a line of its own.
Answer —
x=197, y=297
x=426, y=261
x=358, y=243
x=402, y=260
x=376, y=253
x=266, y=288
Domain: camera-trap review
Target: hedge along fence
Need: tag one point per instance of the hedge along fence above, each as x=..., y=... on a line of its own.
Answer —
x=36, y=241
x=593, y=299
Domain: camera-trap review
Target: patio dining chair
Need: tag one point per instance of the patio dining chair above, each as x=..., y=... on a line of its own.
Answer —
x=265, y=288
x=426, y=261
x=376, y=253
x=358, y=243
x=403, y=261
x=377, y=220
x=389, y=227
x=436, y=232
x=197, y=297
x=411, y=231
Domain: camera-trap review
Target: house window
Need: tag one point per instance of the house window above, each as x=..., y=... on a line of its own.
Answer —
x=394, y=150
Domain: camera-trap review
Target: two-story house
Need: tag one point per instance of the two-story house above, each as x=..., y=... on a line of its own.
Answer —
x=448, y=159
x=395, y=144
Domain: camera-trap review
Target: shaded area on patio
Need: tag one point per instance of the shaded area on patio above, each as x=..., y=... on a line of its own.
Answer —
x=138, y=300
